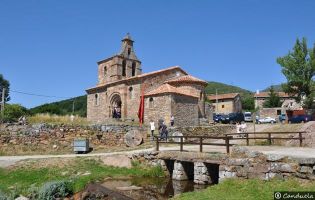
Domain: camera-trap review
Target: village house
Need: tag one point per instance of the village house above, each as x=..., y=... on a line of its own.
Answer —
x=167, y=92
x=226, y=103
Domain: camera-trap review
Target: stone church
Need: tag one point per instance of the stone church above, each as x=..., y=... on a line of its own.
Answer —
x=167, y=92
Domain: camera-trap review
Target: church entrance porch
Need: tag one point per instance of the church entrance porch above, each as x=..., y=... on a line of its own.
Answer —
x=115, y=106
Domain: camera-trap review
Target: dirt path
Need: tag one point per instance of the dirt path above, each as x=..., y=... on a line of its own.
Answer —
x=296, y=152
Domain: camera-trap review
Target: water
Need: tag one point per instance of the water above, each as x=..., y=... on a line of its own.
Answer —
x=151, y=188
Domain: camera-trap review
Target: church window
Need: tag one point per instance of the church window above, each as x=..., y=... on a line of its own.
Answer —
x=123, y=68
x=201, y=95
x=133, y=70
x=130, y=92
x=129, y=51
x=151, y=102
x=96, y=100
x=105, y=71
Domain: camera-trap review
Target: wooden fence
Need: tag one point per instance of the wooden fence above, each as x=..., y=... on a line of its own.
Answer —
x=199, y=141
x=269, y=138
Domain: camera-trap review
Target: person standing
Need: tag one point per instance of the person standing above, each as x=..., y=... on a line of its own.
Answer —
x=152, y=128
x=172, y=120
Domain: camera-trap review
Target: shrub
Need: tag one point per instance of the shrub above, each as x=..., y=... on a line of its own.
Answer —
x=3, y=196
x=12, y=112
x=54, y=189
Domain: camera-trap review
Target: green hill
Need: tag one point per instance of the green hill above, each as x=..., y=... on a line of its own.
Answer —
x=63, y=107
x=277, y=88
x=223, y=88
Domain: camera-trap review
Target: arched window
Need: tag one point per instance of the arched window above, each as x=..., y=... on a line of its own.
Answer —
x=130, y=92
x=133, y=70
x=123, y=68
x=151, y=103
x=105, y=71
x=96, y=99
x=129, y=51
x=201, y=95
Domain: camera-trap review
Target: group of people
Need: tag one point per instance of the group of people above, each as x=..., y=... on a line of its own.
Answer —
x=162, y=128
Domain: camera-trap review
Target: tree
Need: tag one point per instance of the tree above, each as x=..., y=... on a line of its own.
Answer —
x=248, y=102
x=4, y=84
x=274, y=100
x=299, y=68
x=13, y=112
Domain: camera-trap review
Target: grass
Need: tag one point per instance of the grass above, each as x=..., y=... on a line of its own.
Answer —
x=57, y=119
x=80, y=171
x=251, y=189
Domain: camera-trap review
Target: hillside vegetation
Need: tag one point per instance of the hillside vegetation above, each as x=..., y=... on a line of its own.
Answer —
x=223, y=88
x=63, y=107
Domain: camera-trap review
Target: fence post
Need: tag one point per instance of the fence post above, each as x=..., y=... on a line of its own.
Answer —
x=269, y=138
x=157, y=144
x=200, y=144
x=247, y=139
x=227, y=143
x=301, y=140
x=181, y=143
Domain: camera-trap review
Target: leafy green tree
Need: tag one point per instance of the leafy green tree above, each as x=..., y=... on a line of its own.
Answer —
x=298, y=67
x=248, y=102
x=13, y=112
x=273, y=101
x=4, y=84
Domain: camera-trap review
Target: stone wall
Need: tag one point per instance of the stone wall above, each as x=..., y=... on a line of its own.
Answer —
x=158, y=108
x=185, y=110
x=210, y=130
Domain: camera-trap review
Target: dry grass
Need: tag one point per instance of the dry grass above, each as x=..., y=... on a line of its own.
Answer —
x=56, y=119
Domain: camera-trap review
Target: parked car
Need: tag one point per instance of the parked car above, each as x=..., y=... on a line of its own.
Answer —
x=266, y=120
x=299, y=118
x=234, y=118
x=219, y=118
x=248, y=117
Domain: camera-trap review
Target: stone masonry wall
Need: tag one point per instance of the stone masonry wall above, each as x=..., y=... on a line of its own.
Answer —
x=185, y=110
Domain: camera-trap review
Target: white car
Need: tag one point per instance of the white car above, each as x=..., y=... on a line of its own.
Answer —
x=266, y=120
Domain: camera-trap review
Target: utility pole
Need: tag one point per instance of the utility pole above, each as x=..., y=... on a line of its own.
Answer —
x=216, y=101
x=2, y=103
x=73, y=106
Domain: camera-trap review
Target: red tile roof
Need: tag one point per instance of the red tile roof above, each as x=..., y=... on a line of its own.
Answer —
x=222, y=96
x=186, y=78
x=266, y=94
x=167, y=88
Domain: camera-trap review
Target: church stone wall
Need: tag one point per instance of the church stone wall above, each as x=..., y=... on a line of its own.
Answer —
x=159, y=108
x=185, y=110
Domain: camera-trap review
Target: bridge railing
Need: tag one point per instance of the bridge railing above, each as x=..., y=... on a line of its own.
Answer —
x=199, y=141
x=269, y=138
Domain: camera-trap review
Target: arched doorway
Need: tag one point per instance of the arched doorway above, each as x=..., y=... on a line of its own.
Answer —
x=115, y=103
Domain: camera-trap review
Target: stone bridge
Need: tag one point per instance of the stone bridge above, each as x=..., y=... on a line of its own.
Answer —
x=211, y=168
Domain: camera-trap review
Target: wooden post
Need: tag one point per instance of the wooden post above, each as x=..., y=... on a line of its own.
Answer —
x=157, y=144
x=200, y=143
x=300, y=137
x=247, y=139
x=227, y=142
x=269, y=138
x=181, y=143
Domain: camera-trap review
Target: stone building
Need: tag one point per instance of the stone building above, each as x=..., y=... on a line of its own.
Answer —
x=226, y=103
x=261, y=97
x=167, y=92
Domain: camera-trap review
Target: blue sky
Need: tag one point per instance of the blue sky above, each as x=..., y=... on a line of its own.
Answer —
x=51, y=47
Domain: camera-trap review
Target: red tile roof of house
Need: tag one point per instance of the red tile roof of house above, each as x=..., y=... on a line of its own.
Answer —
x=167, y=88
x=266, y=94
x=186, y=78
x=222, y=96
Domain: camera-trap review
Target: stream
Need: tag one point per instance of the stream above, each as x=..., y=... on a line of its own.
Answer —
x=151, y=188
